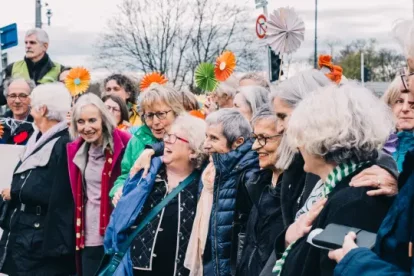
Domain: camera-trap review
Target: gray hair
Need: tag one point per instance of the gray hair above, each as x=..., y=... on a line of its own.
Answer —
x=227, y=87
x=393, y=92
x=195, y=132
x=55, y=97
x=264, y=113
x=341, y=124
x=293, y=90
x=233, y=123
x=255, y=96
x=9, y=81
x=257, y=78
x=40, y=34
x=108, y=121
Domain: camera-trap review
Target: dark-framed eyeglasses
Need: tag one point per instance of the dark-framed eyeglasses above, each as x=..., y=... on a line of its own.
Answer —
x=261, y=139
x=172, y=138
x=21, y=97
x=113, y=109
x=404, y=73
x=160, y=115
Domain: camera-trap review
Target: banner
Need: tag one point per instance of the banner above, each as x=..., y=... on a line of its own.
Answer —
x=9, y=157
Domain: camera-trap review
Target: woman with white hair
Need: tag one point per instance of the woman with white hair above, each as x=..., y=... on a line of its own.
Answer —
x=338, y=131
x=94, y=165
x=159, y=249
x=249, y=99
x=224, y=94
x=38, y=216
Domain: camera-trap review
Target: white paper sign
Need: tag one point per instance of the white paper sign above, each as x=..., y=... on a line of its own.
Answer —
x=9, y=157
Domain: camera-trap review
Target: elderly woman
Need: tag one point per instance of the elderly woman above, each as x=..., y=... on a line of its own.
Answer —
x=224, y=94
x=119, y=110
x=125, y=88
x=337, y=132
x=265, y=221
x=160, y=106
x=254, y=79
x=94, y=165
x=17, y=92
x=39, y=236
x=160, y=248
x=249, y=99
x=402, y=105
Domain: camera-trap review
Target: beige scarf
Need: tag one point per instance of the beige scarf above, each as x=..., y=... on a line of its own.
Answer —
x=194, y=256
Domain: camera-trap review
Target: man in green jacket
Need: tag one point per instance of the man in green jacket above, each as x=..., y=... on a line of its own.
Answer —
x=36, y=64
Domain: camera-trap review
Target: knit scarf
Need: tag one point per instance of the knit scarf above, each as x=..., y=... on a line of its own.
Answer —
x=338, y=173
x=106, y=208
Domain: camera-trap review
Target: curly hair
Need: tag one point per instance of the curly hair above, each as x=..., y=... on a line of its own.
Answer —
x=126, y=83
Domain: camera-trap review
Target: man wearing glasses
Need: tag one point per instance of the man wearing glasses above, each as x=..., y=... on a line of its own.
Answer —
x=17, y=121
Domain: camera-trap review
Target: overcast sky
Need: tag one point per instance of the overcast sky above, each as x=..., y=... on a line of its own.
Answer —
x=77, y=23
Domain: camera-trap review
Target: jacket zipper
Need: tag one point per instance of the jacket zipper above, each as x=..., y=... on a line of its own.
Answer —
x=21, y=189
x=251, y=257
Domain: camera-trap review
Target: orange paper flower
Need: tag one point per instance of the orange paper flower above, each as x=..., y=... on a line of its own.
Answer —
x=336, y=71
x=325, y=61
x=77, y=81
x=225, y=65
x=198, y=114
x=150, y=78
x=1, y=130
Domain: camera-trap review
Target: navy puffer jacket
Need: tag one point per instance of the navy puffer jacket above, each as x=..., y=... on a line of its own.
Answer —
x=231, y=168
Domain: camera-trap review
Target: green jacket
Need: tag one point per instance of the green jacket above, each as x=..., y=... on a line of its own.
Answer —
x=135, y=147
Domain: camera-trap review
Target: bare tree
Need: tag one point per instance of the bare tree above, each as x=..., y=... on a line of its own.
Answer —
x=332, y=43
x=174, y=36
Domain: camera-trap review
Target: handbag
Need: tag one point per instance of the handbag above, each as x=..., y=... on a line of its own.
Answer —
x=111, y=261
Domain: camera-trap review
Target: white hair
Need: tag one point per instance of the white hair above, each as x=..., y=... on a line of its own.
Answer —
x=293, y=90
x=40, y=34
x=264, y=113
x=233, y=123
x=403, y=32
x=55, y=97
x=257, y=78
x=228, y=87
x=255, y=96
x=8, y=82
x=108, y=121
x=194, y=130
x=341, y=124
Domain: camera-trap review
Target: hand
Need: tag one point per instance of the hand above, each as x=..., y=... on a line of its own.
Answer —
x=143, y=162
x=378, y=178
x=6, y=194
x=117, y=196
x=349, y=244
x=303, y=224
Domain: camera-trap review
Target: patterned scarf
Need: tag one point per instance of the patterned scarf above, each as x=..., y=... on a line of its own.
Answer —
x=338, y=173
x=106, y=208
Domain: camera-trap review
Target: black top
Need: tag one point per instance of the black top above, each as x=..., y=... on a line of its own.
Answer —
x=345, y=206
x=21, y=134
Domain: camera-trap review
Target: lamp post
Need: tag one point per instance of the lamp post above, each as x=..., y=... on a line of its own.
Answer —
x=38, y=17
x=315, y=55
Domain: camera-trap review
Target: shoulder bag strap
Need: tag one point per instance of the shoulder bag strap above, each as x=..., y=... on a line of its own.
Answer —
x=123, y=248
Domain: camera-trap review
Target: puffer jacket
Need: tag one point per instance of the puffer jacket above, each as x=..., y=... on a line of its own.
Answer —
x=233, y=170
x=142, y=137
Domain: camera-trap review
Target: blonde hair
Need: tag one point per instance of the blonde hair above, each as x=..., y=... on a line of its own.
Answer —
x=157, y=94
x=393, y=92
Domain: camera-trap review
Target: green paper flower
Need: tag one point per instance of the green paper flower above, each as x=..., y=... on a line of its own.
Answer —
x=205, y=78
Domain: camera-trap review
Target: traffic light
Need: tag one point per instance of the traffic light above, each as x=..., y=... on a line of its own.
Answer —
x=367, y=74
x=275, y=66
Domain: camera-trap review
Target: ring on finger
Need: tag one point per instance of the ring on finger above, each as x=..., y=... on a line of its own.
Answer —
x=378, y=182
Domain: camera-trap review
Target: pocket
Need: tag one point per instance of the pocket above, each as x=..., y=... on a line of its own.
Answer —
x=30, y=234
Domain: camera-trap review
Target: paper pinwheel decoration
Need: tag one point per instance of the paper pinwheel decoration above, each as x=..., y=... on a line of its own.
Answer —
x=285, y=31
x=225, y=65
x=205, y=78
x=77, y=81
x=150, y=78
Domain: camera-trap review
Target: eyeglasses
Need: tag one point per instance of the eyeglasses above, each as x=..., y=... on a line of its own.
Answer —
x=21, y=97
x=172, y=138
x=160, y=115
x=262, y=140
x=113, y=109
x=404, y=73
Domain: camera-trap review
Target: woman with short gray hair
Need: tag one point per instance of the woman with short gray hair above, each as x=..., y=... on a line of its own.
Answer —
x=249, y=99
x=94, y=165
x=39, y=230
x=339, y=132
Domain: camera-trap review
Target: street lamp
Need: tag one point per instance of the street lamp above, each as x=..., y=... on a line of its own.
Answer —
x=315, y=57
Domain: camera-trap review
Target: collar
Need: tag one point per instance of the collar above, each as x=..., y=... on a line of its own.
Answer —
x=9, y=114
x=237, y=159
x=339, y=173
x=43, y=61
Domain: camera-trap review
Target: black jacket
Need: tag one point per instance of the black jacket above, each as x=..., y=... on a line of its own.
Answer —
x=21, y=134
x=265, y=223
x=36, y=71
x=39, y=236
x=345, y=206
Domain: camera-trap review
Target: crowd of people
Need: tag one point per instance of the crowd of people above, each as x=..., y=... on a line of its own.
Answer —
x=232, y=186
